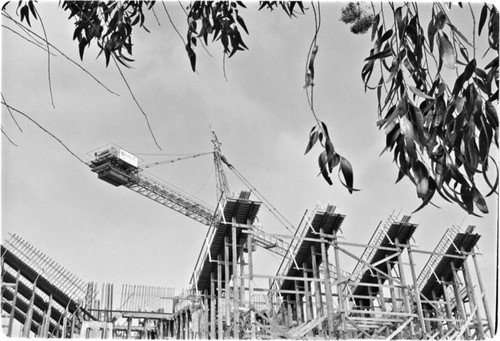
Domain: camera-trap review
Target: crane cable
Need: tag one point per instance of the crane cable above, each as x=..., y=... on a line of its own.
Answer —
x=288, y=226
x=149, y=165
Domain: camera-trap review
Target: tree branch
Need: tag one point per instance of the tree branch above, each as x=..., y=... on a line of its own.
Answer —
x=55, y=48
x=48, y=57
x=136, y=102
x=171, y=22
x=10, y=112
x=8, y=138
x=37, y=44
x=45, y=130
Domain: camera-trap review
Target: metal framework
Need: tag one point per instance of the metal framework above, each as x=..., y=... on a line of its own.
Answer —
x=313, y=296
x=40, y=298
x=40, y=294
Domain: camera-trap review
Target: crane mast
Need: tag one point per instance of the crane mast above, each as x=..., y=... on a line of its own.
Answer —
x=220, y=180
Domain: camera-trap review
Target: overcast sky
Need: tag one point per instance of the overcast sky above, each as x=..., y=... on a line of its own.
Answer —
x=107, y=234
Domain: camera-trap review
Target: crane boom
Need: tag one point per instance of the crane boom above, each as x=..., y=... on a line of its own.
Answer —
x=120, y=168
x=165, y=195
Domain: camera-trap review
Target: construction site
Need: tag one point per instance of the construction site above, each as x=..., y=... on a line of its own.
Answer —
x=327, y=286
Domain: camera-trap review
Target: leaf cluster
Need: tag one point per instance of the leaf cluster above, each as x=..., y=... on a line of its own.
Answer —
x=109, y=24
x=329, y=159
x=25, y=10
x=440, y=132
x=289, y=7
x=219, y=20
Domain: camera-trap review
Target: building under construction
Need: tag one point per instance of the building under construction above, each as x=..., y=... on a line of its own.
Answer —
x=325, y=287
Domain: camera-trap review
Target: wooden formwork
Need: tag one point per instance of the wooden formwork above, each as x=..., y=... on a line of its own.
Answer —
x=312, y=296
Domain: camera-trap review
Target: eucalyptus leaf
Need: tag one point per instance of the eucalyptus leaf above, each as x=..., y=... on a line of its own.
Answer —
x=446, y=52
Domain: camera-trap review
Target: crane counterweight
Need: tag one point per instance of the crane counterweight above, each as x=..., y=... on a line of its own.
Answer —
x=114, y=165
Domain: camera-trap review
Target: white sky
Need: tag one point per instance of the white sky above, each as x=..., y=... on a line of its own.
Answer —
x=260, y=114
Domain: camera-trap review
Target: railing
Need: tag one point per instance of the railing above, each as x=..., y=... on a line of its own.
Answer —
x=287, y=262
x=436, y=257
x=376, y=239
x=54, y=273
x=205, y=249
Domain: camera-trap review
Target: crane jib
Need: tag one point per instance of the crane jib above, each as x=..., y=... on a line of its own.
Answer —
x=117, y=167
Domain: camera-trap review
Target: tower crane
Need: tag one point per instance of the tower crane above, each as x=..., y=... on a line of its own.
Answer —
x=121, y=168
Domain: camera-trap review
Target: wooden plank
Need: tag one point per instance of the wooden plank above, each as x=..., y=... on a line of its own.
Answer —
x=11, y=317
x=148, y=315
x=357, y=327
x=29, y=314
x=219, y=299
x=485, y=301
x=45, y=332
x=307, y=295
x=397, y=331
x=372, y=312
x=291, y=278
x=328, y=288
x=472, y=297
x=275, y=327
x=417, y=297
x=212, y=306
x=226, y=284
x=236, y=293
x=317, y=286
x=129, y=327
x=250, y=284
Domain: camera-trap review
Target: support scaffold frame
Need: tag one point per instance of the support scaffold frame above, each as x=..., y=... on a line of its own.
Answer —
x=313, y=296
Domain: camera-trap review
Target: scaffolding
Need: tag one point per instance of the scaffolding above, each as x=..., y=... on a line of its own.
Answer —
x=311, y=294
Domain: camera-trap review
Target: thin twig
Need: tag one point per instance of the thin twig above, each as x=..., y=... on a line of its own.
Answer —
x=64, y=55
x=31, y=34
x=46, y=131
x=205, y=48
x=473, y=31
x=185, y=12
x=10, y=112
x=310, y=98
x=154, y=13
x=48, y=57
x=173, y=25
x=8, y=138
x=136, y=102
x=37, y=44
x=224, y=65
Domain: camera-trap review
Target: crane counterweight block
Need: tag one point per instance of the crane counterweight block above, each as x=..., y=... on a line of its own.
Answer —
x=114, y=165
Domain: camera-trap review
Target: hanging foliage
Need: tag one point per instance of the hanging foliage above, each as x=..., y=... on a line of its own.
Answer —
x=220, y=21
x=437, y=96
x=440, y=128
x=329, y=159
x=109, y=24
